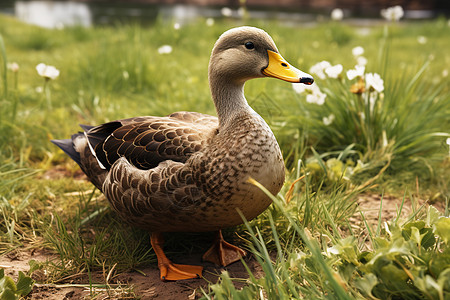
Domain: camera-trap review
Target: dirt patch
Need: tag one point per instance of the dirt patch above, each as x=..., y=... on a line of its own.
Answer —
x=144, y=284
x=17, y=260
x=151, y=287
x=369, y=205
x=63, y=171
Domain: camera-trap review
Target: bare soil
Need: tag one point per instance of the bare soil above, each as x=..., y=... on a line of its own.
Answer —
x=369, y=205
x=146, y=283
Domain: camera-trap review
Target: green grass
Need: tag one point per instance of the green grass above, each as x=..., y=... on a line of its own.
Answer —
x=116, y=72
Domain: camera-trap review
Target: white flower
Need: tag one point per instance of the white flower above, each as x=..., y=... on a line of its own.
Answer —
x=316, y=97
x=448, y=143
x=241, y=12
x=314, y=94
x=165, y=49
x=337, y=14
x=372, y=100
x=176, y=26
x=300, y=88
x=357, y=72
x=361, y=61
x=445, y=73
x=226, y=11
x=13, y=67
x=48, y=72
x=328, y=120
x=374, y=80
x=358, y=51
x=125, y=75
x=422, y=40
x=39, y=89
x=394, y=13
x=334, y=71
x=319, y=68
x=209, y=22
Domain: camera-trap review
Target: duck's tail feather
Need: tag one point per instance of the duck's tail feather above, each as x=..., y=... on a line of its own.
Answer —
x=86, y=128
x=68, y=147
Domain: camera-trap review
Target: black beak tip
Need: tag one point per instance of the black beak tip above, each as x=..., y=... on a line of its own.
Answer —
x=307, y=80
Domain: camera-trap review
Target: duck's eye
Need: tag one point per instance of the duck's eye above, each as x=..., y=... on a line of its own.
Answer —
x=249, y=45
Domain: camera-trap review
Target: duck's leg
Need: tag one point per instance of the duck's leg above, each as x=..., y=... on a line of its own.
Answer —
x=223, y=253
x=169, y=270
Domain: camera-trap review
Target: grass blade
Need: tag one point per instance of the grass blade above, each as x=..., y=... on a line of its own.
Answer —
x=5, y=68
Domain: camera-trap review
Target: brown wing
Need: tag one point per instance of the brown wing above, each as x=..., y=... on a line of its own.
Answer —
x=164, y=198
x=147, y=141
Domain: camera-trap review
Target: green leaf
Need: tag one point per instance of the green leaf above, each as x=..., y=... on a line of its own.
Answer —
x=7, y=284
x=381, y=242
x=34, y=265
x=415, y=235
x=365, y=257
x=24, y=284
x=419, y=233
x=366, y=283
x=444, y=279
x=428, y=286
x=428, y=239
x=7, y=295
x=443, y=228
x=440, y=264
x=392, y=274
x=432, y=215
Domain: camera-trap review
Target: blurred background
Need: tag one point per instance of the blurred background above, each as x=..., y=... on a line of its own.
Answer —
x=54, y=14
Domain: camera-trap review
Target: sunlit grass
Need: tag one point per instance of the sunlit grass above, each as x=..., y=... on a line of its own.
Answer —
x=404, y=258
x=116, y=72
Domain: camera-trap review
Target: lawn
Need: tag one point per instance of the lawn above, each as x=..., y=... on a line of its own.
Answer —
x=363, y=212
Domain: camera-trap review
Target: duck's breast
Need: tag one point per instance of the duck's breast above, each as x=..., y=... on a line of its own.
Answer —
x=248, y=150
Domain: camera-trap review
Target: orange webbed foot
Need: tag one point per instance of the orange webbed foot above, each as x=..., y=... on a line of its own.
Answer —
x=168, y=270
x=223, y=253
x=171, y=272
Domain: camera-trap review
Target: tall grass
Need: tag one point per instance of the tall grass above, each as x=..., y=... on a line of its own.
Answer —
x=403, y=128
x=405, y=260
x=406, y=126
x=4, y=67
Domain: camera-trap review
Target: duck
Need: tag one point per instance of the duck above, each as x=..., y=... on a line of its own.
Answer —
x=188, y=171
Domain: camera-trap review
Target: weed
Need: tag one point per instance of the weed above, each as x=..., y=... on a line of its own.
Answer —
x=9, y=290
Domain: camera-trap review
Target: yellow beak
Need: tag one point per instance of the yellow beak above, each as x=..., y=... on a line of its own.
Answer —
x=279, y=68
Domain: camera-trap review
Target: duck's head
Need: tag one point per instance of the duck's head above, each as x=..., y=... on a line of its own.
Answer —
x=246, y=52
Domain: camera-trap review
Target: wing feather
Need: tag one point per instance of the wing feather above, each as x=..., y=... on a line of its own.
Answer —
x=147, y=141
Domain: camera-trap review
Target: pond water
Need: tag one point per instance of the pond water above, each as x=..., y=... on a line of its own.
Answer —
x=54, y=14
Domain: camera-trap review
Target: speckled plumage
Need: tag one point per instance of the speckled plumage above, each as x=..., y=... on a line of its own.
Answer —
x=202, y=193
x=189, y=171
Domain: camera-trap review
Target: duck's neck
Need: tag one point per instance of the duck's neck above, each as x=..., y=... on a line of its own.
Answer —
x=229, y=99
